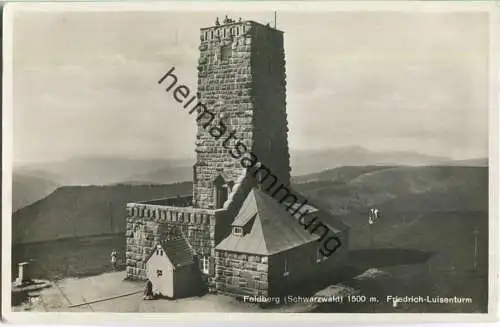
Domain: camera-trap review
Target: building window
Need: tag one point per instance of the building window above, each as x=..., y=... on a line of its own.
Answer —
x=159, y=273
x=205, y=264
x=286, y=271
x=320, y=257
x=221, y=196
x=238, y=231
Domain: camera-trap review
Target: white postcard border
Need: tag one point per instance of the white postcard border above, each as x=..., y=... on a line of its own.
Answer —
x=339, y=318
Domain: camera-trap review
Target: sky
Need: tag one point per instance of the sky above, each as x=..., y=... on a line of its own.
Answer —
x=85, y=83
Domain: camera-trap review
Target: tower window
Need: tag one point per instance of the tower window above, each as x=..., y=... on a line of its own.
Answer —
x=221, y=195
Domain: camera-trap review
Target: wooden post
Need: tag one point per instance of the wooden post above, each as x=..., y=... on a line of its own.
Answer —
x=476, y=232
x=372, y=237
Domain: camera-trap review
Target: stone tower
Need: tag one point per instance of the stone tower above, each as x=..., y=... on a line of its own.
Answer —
x=241, y=80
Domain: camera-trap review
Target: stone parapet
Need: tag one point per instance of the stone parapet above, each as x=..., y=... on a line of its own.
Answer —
x=148, y=224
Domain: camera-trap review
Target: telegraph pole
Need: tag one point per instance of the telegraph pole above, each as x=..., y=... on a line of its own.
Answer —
x=371, y=235
x=275, y=19
x=476, y=233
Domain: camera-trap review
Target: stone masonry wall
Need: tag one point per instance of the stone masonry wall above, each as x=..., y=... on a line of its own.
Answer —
x=224, y=87
x=148, y=224
x=241, y=79
x=241, y=274
x=269, y=92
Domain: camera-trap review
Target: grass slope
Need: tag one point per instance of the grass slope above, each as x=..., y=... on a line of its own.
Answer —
x=27, y=189
x=424, y=241
x=350, y=189
x=73, y=211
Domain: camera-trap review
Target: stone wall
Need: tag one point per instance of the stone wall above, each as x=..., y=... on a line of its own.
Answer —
x=148, y=224
x=241, y=79
x=269, y=93
x=241, y=274
x=224, y=87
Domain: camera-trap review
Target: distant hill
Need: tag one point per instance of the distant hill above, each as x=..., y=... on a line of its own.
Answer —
x=72, y=211
x=92, y=210
x=42, y=178
x=355, y=189
x=340, y=174
x=162, y=176
x=27, y=189
x=103, y=170
x=307, y=162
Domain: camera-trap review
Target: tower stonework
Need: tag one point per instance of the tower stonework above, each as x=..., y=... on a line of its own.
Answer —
x=241, y=84
x=241, y=80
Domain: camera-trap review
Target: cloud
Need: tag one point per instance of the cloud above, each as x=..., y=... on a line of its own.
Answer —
x=88, y=81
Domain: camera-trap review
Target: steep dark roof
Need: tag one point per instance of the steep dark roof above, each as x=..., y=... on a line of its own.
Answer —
x=178, y=250
x=274, y=230
x=335, y=224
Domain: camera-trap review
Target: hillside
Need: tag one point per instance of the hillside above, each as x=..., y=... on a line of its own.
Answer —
x=79, y=211
x=72, y=211
x=27, y=189
x=355, y=189
x=338, y=175
x=103, y=170
x=312, y=161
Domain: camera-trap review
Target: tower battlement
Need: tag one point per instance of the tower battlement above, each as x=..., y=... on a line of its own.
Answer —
x=230, y=28
x=241, y=80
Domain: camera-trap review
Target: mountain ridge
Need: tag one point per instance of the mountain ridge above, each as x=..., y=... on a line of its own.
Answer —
x=34, y=181
x=73, y=211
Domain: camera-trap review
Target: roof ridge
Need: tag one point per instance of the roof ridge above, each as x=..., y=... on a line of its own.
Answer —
x=259, y=222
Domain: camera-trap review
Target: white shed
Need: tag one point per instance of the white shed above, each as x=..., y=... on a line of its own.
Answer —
x=172, y=270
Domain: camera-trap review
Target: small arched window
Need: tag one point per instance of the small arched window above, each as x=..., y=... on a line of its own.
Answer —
x=226, y=52
x=221, y=192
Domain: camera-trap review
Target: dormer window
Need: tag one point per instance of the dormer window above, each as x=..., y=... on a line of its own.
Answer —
x=238, y=231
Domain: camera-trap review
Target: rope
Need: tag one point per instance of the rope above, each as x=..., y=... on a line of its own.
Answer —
x=105, y=299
